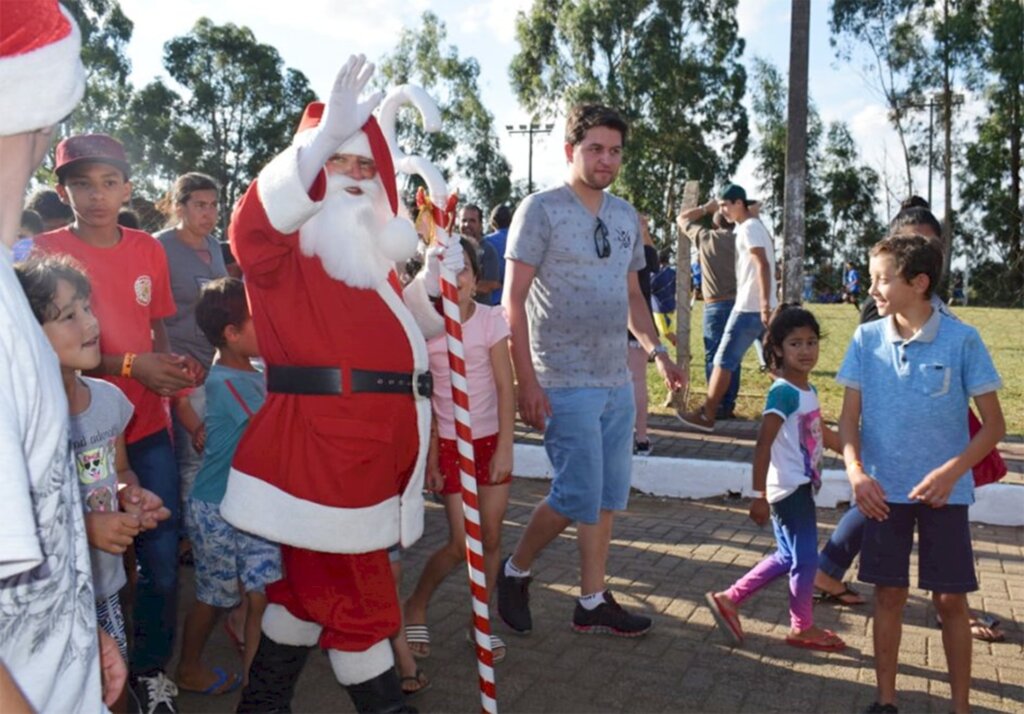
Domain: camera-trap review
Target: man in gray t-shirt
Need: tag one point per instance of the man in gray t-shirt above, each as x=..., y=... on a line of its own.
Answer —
x=571, y=291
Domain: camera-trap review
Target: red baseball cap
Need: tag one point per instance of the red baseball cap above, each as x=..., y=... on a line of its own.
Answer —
x=85, y=148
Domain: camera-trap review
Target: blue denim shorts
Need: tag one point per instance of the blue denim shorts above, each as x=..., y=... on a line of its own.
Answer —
x=225, y=555
x=741, y=329
x=945, y=557
x=589, y=440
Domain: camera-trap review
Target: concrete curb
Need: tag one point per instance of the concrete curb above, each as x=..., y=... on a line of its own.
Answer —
x=996, y=504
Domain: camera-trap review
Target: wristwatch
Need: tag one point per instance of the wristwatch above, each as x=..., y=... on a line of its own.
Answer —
x=658, y=350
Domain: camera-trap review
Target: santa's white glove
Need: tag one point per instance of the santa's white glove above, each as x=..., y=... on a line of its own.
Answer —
x=344, y=115
x=450, y=257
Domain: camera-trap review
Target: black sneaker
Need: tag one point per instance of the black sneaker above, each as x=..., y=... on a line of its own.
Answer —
x=155, y=693
x=609, y=618
x=514, y=600
x=877, y=708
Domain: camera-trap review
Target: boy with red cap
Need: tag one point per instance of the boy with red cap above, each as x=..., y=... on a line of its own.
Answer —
x=131, y=296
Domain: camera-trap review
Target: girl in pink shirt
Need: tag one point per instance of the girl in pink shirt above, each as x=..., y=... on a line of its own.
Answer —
x=492, y=410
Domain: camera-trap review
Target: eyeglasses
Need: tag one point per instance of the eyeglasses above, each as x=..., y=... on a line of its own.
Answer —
x=358, y=167
x=601, y=243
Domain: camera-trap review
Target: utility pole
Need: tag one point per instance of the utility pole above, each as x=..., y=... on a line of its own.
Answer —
x=947, y=161
x=795, y=195
x=531, y=130
x=936, y=101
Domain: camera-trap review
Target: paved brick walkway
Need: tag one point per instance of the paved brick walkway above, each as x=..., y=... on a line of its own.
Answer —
x=665, y=555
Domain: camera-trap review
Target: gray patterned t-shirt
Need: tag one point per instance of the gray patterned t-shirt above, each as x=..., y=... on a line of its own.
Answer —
x=578, y=303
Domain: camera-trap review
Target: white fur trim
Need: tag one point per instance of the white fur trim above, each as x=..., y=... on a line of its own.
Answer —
x=285, y=200
x=412, y=497
x=357, y=667
x=430, y=321
x=285, y=629
x=358, y=145
x=255, y=506
x=41, y=87
x=397, y=240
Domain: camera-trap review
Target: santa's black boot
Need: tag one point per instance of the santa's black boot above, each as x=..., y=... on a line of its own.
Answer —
x=272, y=677
x=382, y=694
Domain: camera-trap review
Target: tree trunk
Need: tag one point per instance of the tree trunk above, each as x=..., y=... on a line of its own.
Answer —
x=794, y=200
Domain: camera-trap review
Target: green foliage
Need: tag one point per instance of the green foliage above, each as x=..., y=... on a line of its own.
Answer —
x=106, y=32
x=992, y=174
x=241, y=106
x=887, y=37
x=466, y=149
x=840, y=217
x=671, y=66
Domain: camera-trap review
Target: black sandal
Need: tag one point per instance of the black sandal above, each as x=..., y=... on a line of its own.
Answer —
x=419, y=683
x=822, y=597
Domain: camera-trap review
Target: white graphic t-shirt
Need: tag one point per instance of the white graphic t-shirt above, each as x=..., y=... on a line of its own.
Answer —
x=797, y=449
x=94, y=435
x=48, y=637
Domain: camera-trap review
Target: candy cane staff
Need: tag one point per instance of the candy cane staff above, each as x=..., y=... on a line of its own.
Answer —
x=436, y=223
x=332, y=466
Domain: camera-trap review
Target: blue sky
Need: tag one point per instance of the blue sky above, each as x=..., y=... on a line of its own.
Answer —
x=316, y=36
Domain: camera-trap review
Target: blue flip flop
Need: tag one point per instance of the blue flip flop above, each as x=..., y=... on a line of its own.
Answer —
x=233, y=682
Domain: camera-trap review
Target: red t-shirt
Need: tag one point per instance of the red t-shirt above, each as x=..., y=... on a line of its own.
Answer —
x=130, y=287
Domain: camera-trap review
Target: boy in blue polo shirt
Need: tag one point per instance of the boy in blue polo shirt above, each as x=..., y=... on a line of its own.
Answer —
x=903, y=427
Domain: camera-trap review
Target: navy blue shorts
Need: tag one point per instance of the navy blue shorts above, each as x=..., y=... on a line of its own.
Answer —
x=945, y=557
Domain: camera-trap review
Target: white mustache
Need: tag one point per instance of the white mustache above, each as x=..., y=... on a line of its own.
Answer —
x=337, y=184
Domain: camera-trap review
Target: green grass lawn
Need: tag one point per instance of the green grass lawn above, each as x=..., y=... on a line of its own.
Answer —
x=1001, y=329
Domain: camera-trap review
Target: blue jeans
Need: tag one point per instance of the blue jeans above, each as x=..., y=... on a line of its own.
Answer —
x=589, y=441
x=156, y=598
x=715, y=316
x=742, y=329
x=844, y=545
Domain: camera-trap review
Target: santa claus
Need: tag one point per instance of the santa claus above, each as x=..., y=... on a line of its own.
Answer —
x=332, y=465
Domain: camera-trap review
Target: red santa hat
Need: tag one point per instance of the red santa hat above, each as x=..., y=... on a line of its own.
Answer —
x=41, y=74
x=398, y=238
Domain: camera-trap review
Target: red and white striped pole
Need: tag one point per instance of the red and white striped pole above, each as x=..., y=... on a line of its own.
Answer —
x=470, y=497
x=436, y=219
x=467, y=477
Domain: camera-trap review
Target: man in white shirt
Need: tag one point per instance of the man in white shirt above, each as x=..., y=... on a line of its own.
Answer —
x=755, y=300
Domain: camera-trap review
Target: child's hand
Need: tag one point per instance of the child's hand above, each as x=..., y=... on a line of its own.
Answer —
x=434, y=480
x=111, y=531
x=934, y=489
x=194, y=369
x=144, y=505
x=113, y=670
x=161, y=372
x=869, y=495
x=760, y=511
x=199, y=438
x=501, y=464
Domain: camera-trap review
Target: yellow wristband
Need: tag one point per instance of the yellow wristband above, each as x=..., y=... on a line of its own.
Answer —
x=855, y=464
x=126, y=365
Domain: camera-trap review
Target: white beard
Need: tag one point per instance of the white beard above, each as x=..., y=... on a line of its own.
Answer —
x=343, y=234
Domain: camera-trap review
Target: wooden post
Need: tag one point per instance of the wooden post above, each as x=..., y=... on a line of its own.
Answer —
x=691, y=197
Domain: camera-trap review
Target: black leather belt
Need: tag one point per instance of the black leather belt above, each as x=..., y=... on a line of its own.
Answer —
x=284, y=379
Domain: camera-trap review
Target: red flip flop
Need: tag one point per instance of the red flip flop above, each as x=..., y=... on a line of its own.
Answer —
x=828, y=642
x=728, y=621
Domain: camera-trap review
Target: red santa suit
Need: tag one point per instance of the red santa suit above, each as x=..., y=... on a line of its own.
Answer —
x=335, y=478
